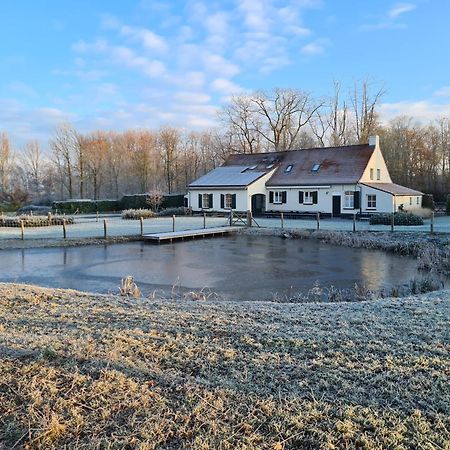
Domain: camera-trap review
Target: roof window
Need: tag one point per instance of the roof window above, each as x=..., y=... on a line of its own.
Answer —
x=252, y=168
x=288, y=168
x=315, y=168
x=269, y=166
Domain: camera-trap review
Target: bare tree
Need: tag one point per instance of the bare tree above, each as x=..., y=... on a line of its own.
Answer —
x=364, y=104
x=154, y=199
x=5, y=162
x=34, y=165
x=169, y=139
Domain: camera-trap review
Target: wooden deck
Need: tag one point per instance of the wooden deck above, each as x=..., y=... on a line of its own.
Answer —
x=189, y=234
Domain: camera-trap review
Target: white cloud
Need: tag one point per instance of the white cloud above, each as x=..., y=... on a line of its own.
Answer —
x=148, y=39
x=423, y=110
x=192, y=97
x=225, y=86
x=443, y=92
x=399, y=9
x=313, y=48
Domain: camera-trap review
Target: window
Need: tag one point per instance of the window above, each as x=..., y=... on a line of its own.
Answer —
x=410, y=200
x=269, y=166
x=308, y=199
x=228, y=201
x=288, y=168
x=378, y=174
x=418, y=200
x=252, y=168
x=278, y=197
x=371, y=201
x=371, y=174
x=205, y=201
x=349, y=199
x=315, y=168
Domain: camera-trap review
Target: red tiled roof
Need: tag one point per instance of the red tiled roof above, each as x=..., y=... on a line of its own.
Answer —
x=392, y=188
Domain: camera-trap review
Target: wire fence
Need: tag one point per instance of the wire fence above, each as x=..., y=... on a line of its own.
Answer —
x=112, y=225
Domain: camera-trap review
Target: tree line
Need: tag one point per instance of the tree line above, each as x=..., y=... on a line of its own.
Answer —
x=108, y=164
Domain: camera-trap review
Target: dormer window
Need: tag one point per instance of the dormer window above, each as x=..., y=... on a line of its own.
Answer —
x=288, y=168
x=315, y=168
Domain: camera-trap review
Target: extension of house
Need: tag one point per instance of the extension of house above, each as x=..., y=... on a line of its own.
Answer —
x=333, y=180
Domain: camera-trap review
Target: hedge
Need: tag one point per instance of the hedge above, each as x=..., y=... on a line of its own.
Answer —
x=428, y=202
x=400, y=218
x=138, y=201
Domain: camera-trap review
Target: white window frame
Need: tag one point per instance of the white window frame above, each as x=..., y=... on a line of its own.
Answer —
x=205, y=201
x=228, y=201
x=371, y=174
x=277, y=197
x=307, y=198
x=378, y=174
x=349, y=200
x=371, y=202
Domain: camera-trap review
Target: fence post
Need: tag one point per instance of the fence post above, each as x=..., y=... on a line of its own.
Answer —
x=22, y=230
x=282, y=220
x=432, y=223
x=64, y=229
x=104, y=228
x=204, y=220
x=231, y=217
x=97, y=217
x=318, y=221
x=249, y=218
x=173, y=223
x=354, y=222
x=141, y=220
x=392, y=222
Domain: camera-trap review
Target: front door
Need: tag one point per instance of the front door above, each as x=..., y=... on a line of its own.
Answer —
x=258, y=204
x=336, y=205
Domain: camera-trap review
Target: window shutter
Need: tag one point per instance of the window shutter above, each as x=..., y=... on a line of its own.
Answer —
x=233, y=201
x=211, y=205
x=283, y=197
x=300, y=197
x=200, y=205
x=314, y=197
x=222, y=201
x=356, y=200
x=270, y=196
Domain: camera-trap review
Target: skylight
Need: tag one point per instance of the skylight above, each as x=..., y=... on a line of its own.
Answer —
x=288, y=168
x=252, y=167
x=269, y=166
x=315, y=168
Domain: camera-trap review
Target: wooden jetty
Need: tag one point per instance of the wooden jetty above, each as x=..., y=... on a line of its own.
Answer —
x=189, y=234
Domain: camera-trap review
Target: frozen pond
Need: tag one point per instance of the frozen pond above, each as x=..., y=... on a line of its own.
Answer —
x=236, y=267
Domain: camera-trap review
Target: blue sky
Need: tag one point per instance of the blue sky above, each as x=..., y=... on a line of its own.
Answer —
x=116, y=64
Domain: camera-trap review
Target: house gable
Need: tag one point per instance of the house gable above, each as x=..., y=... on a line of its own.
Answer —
x=376, y=170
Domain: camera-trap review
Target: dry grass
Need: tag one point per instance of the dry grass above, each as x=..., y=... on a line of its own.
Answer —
x=97, y=372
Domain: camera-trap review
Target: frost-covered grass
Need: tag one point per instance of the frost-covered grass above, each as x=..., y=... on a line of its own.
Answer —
x=85, y=371
x=34, y=221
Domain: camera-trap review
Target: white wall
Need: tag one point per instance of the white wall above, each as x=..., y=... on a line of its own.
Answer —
x=405, y=200
x=243, y=195
x=376, y=161
x=324, y=199
x=385, y=201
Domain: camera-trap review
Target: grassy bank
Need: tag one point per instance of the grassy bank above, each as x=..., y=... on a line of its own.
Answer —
x=85, y=371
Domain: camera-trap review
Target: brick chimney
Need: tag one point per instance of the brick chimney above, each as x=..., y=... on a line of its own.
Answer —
x=374, y=140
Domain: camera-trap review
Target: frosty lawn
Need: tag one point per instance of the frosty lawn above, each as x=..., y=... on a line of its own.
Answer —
x=85, y=371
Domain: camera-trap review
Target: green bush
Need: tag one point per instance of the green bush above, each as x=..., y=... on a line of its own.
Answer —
x=138, y=201
x=86, y=206
x=400, y=218
x=428, y=202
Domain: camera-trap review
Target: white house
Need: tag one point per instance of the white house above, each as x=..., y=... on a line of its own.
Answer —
x=332, y=180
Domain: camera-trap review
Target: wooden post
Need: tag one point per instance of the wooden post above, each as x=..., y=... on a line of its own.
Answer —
x=282, y=220
x=231, y=217
x=173, y=223
x=97, y=216
x=22, y=230
x=204, y=220
x=432, y=223
x=64, y=229
x=392, y=222
x=104, y=228
x=354, y=222
x=141, y=220
x=249, y=218
x=318, y=221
